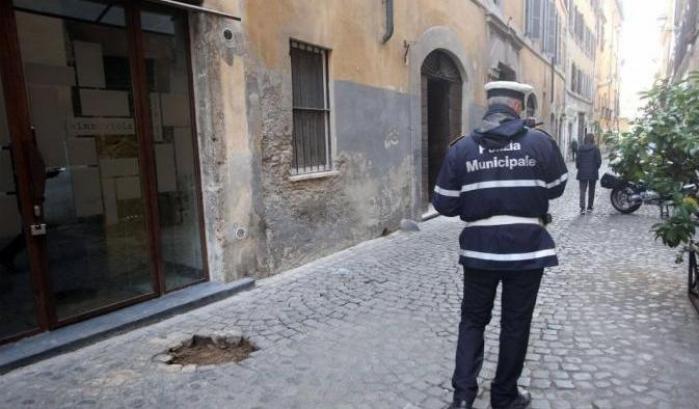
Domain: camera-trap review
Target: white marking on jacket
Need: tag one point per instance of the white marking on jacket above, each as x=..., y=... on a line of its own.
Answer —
x=509, y=257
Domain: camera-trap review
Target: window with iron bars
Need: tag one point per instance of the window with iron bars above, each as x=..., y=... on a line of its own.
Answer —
x=311, y=105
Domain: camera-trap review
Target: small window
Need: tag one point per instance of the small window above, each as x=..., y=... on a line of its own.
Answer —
x=311, y=134
x=532, y=106
x=533, y=18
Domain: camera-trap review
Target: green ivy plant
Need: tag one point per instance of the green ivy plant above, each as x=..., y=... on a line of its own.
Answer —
x=662, y=150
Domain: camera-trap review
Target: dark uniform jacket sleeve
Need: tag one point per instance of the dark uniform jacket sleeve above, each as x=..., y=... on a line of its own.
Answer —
x=555, y=172
x=447, y=193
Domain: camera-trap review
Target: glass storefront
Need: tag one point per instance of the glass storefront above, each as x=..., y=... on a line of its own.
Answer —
x=117, y=144
x=165, y=44
x=79, y=85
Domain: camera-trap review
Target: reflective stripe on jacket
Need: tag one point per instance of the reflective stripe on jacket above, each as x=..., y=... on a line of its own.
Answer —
x=516, y=173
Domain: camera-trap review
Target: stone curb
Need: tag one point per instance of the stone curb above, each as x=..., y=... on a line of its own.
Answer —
x=72, y=337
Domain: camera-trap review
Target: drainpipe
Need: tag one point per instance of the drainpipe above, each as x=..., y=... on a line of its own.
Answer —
x=389, y=21
x=553, y=79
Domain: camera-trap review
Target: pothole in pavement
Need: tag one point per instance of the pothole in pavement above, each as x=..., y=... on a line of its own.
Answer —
x=213, y=349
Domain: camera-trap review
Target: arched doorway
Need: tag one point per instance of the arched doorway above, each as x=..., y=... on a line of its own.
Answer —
x=441, y=115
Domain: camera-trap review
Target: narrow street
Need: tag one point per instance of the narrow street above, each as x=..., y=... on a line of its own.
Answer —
x=375, y=327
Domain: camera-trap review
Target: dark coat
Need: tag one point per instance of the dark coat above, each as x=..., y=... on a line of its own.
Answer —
x=504, y=168
x=588, y=162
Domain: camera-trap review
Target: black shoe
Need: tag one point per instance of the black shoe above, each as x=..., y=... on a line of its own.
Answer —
x=582, y=212
x=459, y=404
x=589, y=210
x=522, y=401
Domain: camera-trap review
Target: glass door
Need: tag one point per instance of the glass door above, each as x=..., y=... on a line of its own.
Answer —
x=17, y=308
x=165, y=42
x=110, y=192
x=77, y=66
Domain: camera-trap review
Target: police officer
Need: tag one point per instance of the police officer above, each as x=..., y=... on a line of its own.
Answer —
x=499, y=180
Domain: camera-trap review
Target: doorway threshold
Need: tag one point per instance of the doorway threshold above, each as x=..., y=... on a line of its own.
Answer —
x=69, y=338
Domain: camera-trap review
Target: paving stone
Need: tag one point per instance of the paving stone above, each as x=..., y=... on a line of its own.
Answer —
x=375, y=327
x=582, y=376
x=563, y=384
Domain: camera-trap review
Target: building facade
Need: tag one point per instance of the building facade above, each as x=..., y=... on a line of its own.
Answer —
x=582, y=52
x=151, y=145
x=607, y=67
x=666, y=40
x=683, y=57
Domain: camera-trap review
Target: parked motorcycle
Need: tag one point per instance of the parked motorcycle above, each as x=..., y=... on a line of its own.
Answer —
x=627, y=196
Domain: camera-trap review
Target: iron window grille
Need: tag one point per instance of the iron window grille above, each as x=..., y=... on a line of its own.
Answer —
x=311, y=109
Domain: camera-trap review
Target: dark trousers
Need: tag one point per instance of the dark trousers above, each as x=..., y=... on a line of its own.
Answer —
x=519, y=291
x=587, y=187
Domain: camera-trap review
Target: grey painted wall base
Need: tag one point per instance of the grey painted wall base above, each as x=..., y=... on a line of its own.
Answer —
x=48, y=344
x=368, y=194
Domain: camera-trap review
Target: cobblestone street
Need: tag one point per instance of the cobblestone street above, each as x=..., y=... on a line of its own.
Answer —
x=375, y=327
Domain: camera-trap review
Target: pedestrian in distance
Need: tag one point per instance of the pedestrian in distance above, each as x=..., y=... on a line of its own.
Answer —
x=499, y=180
x=588, y=162
x=574, y=148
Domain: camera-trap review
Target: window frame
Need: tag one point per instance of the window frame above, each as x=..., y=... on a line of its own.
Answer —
x=297, y=170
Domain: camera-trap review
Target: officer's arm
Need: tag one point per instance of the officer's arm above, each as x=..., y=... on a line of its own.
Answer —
x=447, y=192
x=555, y=172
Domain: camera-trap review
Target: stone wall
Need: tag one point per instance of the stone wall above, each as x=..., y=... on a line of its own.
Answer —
x=260, y=220
x=228, y=158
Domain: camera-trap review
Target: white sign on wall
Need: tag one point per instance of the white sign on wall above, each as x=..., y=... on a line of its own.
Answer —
x=101, y=126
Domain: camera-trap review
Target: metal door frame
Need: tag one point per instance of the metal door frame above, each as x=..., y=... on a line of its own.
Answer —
x=20, y=126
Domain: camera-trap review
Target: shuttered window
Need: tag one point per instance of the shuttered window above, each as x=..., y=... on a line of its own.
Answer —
x=550, y=28
x=533, y=14
x=311, y=133
x=543, y=23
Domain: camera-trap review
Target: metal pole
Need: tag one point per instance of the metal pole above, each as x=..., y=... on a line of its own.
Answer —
x=199, y=9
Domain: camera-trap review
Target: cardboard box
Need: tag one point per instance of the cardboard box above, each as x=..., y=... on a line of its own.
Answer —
x=175, y=109
x=90, y=64
x=87, y=192
x=128, y=188
x=184, y=152
x=111, y=168
x=111, y=211
x=43, y=74
x=96, y=102
x=82, y=151
x=41, y=39
x=165, y=165
x=156, y=117
x=49, y=122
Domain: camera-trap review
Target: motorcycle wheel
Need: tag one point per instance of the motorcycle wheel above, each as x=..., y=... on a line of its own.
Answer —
x=621, y=202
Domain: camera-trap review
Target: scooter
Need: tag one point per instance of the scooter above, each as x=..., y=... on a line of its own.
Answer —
x=627, y=197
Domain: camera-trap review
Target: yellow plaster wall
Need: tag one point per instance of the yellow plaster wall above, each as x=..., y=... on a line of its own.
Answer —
x=575, y=52
x=226, y=6
x=513, y=11
x=607, y=74
x=353, y=31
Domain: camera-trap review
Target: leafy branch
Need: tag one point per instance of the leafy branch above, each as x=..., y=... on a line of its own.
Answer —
x=662, y=150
